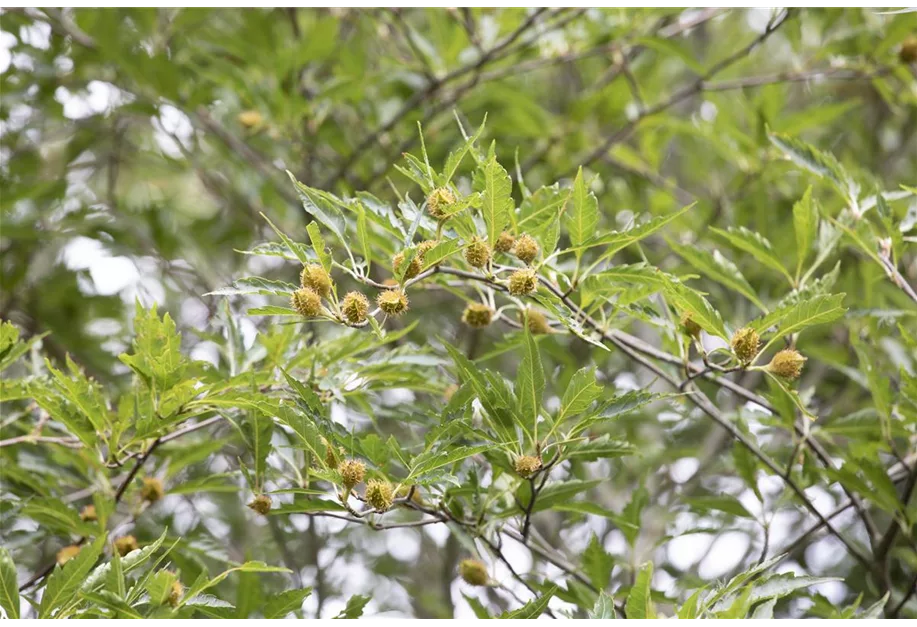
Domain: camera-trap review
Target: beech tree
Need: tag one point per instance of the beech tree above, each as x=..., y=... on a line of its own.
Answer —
x=444, y=313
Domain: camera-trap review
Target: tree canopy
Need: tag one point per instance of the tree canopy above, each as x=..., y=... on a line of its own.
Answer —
x=594, y=313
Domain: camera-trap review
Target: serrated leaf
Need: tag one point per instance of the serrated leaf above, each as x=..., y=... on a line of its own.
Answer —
x=283, y=603
x=318, y=246
x=604, y=607
x=532, y=609
x=9, y=588
x=617, y=240
x=597, y=563
x=530, y=383
x=255, y=285
x=818, y=310
x=496, y=198
x=702, y=312
x=814, y=160
x=755, y=245
x=582, y=215
x=580, y=393
x=718, y=268
x=64, y=583
x=355, y=606
x=805, y=226
x=639, y=605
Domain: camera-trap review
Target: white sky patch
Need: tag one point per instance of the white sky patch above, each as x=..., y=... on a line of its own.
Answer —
x=171, y=125
x=683, y=469
x=110, y=275
x=725, y=555
x=685, y=551
x=98, y=97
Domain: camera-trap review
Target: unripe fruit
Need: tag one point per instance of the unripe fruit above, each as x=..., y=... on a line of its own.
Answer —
x=307, y=302
x=745, y=344
x=352, y=472
x=88, y=513
x=67, y=553
x=474, y=572
x=393, y=302
x=152, y=489
x=355, y=307
x=504, y=242
x=477, y=315
x=477, y=253
x=261, y=504
x=787, y=364
x=536, y=322
x=908, y=52
x=175, y=593
x=315, y=278
x=689, y=326
x=413, y=268
x=522, y=282
x=379, y=494
x=250, y=119
x=527, y=465
x=125, y=544
x=439, y=202
x=526, y=248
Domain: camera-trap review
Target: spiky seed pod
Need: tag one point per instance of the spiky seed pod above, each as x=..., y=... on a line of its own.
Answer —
x=787, y=364
x=689, y=326
x=175, y=593
x=439, y=201
x=745, y=344
x=522, y=282
x=908, y=52
x=261, y=504
x=315, y=278
x=152, y=489
x=477, y=315
x=474, y=572
x=526, y=248
x=426, y=246
x=331, y=460
x=536, y=322
x=504, y=242
x=355, y=307
x=352, y=472
x=527, y=465
x=125, y=544
x=67, y=553
x=250, y=119
x=393, y=302
x=88, y=513
x=413, y=268
x=307, y=302
x=379, y=494
x=477, y=253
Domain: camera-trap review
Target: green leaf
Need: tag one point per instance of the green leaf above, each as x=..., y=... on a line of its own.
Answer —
x=724, y=503
x=639, y=605
x=355, y=606
x=318, y=245
x=755, y=245
x=496, y=199
x=298, y=251
x=597, y=563
x=9, y=588
x=617, y=240
x=454, y=160
x=64, y=583
x=363, y=234
x=432, y=460
x=556, y=493
x=256, y=285
x=814, y=160
x=156, y=355
x=604, y=607
x=718, y=268
x=532, y=609
x=805, y=225
x=580, y=393
x=818, y=310
x=583, y=219
x=280, y=604
x=702, y=312
x=530, y=383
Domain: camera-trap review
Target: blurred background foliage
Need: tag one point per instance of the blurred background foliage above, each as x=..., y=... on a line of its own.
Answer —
x=139, y=147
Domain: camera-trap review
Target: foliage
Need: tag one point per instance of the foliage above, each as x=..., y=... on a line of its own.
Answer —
x=559, y=294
